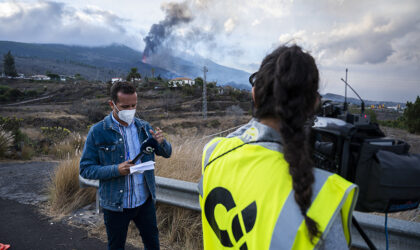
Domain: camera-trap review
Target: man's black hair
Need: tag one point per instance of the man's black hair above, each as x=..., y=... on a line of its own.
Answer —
x=123, y=87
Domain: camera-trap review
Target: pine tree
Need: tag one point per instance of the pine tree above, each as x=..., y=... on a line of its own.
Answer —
x=9, y=65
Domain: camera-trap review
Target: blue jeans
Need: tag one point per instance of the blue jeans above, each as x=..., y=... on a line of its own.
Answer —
x=144, y=218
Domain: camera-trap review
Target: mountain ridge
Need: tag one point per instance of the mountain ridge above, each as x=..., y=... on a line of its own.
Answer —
x=115, y=60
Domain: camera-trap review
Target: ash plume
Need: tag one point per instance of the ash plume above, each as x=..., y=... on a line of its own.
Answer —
x=176, y=13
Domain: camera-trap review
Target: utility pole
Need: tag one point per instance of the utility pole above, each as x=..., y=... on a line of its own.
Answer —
x=205, y=70
x=345, y=93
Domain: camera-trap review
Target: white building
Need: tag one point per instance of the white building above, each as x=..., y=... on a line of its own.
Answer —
x=181, y=81
x=40, y=78
x=63, y=78
x=116, y=79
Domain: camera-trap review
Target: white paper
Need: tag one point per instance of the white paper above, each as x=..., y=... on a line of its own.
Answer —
x=140, y=168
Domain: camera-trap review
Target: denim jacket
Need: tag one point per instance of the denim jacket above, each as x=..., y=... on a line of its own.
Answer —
x=104, y=150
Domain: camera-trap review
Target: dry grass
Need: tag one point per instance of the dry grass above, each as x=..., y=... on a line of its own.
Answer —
x=179, y=228
x=65, y=193
x=72, y=145
x=185, y=162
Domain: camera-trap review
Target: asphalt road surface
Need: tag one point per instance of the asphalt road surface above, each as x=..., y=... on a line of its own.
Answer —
x=22, y=187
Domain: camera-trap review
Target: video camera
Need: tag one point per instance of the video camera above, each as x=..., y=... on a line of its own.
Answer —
x=356, y=149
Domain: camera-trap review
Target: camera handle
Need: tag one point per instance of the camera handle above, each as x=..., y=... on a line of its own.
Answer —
x=363, y=234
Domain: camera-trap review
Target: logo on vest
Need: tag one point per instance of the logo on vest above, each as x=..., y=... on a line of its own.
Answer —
x=250, y=134
x=223, y=197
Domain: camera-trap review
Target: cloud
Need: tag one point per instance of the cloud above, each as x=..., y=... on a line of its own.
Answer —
x=53, y=22
x=229, y=25
x=371, y=39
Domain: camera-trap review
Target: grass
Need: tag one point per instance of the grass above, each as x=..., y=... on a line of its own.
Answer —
x=185, y=162
x=72, y=145
x=65, y=194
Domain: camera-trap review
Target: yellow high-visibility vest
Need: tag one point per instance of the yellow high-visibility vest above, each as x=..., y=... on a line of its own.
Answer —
x=247, y=198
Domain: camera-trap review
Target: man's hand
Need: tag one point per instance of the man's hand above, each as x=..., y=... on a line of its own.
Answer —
x=124, y=168
x=158, y=135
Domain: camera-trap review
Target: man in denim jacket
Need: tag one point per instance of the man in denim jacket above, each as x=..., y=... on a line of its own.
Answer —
x=110, y=146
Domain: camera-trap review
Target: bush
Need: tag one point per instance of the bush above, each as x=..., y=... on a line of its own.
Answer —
x=27, y=152
x=13, y=125
x=55, y=134
x=10, y=124
x=412, y=116
x=95, y=110
x=213, y=124
x=6, y=142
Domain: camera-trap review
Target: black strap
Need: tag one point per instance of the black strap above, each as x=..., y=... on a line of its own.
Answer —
x=245, y=143
x=363, y=234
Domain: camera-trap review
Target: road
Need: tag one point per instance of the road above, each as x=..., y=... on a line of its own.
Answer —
x=22, y=188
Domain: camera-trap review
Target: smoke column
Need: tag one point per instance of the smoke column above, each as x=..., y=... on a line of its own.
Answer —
x=176, y=13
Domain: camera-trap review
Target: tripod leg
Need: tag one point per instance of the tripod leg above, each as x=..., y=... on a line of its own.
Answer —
x=363, y=234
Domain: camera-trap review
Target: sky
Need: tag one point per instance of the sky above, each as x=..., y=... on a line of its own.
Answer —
x=378, y=41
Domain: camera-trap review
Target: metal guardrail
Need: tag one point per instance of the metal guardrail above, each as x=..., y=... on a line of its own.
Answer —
x=169, y=191
x=401, y=234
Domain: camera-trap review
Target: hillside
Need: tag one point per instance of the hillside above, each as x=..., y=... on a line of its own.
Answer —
x=102, y=63
x=76, y=105
x=93, y=63
x=340, y=98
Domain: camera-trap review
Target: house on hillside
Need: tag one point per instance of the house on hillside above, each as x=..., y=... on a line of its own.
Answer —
x=116, y=79
x=40, y=78
x=181, y=81
x=220, y=90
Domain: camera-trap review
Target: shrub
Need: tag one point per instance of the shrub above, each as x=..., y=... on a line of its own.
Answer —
x=10, y=123
x=94, y=110
x=27, y=152
x=55, y=134
x=6, y=142
x=412, y=116
x=13, y=125
x=213, y=124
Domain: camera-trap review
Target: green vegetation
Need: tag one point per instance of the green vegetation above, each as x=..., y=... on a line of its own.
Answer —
x=9, y=65
x=55, y=134
x=6, y=142
x=133, y=74
x=412, y=116
x=8, y=94
x=398, y=123
x=409, y=121
x=10, y=127
x=54, y=77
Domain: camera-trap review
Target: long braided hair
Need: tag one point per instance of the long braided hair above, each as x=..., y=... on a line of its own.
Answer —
x=286, y=87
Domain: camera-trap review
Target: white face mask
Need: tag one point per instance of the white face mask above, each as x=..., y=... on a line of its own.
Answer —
x=126, y=115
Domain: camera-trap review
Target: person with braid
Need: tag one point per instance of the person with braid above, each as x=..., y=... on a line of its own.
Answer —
x=259, y=189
